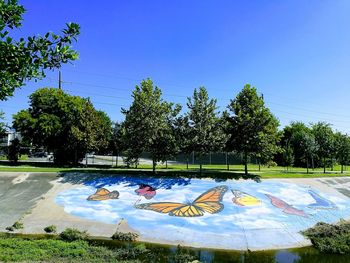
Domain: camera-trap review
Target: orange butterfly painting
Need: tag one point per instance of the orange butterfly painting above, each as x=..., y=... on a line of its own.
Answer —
x=208, y=202
x=103, y=194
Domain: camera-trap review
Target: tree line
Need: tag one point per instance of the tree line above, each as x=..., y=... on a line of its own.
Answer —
x=70, y=126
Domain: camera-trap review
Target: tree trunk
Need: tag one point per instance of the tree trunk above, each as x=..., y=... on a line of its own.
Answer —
x=307, y=165
x=259, y=165
x=166, y=164
x=187, y=162
x=324, y=165
x=116, y=161
x=245, y=163
x=342, y=169
x=76, y=157
x=200, y=164
x=154, y=166
x=227, y=164
x=312, y=163
x=332, y=164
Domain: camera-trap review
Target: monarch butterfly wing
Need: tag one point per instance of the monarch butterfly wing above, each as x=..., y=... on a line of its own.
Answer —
x=210, y=200
x=210, y=207
x=212, y=195
x=187, y=211
x=161, y=207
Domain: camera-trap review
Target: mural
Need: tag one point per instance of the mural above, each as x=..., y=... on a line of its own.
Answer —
x=244, y=199
x=146, y=191
x=320, y=202
x=103, y=194
x=286, y=208
x=204, y=212
x=207, y=202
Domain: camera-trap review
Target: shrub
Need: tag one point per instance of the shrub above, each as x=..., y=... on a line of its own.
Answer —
x=271, y=164
x=10, y=228
x=50, y=229
x=330, y=238
x=125, y=236
x=73, y=234
x=16, y=225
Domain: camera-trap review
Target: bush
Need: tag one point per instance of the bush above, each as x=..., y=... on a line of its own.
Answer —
x=73, y=234
x=10, y=228
x=16, y=225
x=271, y=164
x=330, y=238
x=125, y=236
x=50, y=229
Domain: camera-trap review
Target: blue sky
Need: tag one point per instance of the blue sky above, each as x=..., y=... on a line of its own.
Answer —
x=296, y=53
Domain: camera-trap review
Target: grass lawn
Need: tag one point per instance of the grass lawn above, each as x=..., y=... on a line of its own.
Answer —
x=217, y=171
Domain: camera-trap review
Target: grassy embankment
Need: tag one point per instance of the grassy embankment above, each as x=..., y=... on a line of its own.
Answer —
x=51, y=248
x=217, y=171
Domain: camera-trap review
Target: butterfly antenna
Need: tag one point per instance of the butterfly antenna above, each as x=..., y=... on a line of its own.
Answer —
x=137, y=201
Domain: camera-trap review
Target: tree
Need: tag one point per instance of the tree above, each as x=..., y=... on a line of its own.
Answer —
x=2, y=124
x=182, y=136
x=148, y=125
x=342, y=143
x=307, y=145
x=205, y=130
x=253, y=128
x=115, y=143
x=325, y=139
x=69, y=126
x=23, y=60
x=289, y=137
x=288, y=156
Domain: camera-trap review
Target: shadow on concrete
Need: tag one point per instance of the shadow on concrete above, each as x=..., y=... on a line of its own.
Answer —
x=162, y=179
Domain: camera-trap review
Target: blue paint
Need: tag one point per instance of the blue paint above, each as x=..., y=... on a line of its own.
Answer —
x=320, y=202
x=235, y=227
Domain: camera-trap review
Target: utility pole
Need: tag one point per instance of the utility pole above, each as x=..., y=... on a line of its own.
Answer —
x=59, y=80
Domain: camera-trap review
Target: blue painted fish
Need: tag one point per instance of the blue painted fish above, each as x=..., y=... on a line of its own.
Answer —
x=320, y=202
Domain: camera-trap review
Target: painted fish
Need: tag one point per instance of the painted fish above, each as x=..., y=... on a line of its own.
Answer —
x=103, y=194
x=244, y=199
x=147, y=191
x=320, y=202
x=286, y=208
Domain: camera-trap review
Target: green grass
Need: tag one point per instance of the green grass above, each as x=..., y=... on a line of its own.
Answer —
x=216, y=171
x=54, y=250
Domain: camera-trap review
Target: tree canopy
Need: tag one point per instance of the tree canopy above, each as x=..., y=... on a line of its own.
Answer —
x=205, y=133
x=69, y=126
x=325, y=139
x=26, y=59
x=253, y=129
x=149, y=125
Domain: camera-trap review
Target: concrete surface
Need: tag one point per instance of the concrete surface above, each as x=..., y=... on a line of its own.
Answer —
x=42, y=199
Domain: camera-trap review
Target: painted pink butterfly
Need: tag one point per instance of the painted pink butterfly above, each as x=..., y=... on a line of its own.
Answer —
x=286, y=208
x=147, y=191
